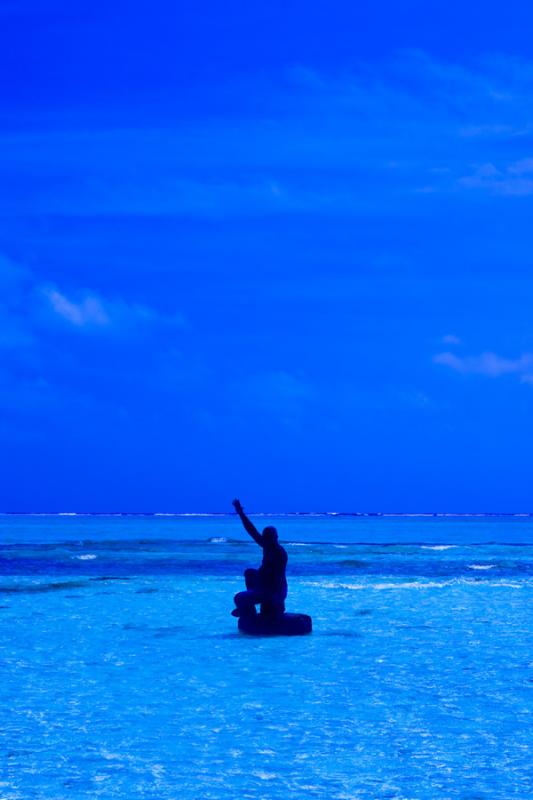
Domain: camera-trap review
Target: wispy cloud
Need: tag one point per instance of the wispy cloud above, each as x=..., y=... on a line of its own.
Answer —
x=31, y=309
x=68, y=347
x=88, y=311
x=511, y=179
x=412, y=125
x=450, y=338
x=489, y=364
x=524, y=167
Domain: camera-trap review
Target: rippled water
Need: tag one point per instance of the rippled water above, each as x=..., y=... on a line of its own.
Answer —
x=123, y=675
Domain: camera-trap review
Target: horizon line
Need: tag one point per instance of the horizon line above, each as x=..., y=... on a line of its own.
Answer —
x=269, y=513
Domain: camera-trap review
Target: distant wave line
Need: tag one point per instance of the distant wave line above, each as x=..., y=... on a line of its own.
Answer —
x=127, y=543
x=193, y=514
x=430, y=584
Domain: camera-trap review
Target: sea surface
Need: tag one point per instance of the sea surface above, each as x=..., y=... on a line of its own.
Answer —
x=122, y=674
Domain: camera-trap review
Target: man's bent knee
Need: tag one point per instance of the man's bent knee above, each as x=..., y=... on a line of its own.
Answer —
x=251, y=578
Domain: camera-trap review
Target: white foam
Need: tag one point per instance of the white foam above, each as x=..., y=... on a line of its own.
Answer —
x=481, y=566
x=109, y=756
x=157, y=770
x=186, y=514
x=438, y=546
x=86, y=557
x=418, y=584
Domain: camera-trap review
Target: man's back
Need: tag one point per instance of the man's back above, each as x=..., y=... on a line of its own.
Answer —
x=272, y=570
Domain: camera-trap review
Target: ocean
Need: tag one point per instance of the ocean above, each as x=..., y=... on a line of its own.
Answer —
x=123, y=674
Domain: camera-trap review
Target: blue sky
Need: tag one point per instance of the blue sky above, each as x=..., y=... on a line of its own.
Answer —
x=275, y=250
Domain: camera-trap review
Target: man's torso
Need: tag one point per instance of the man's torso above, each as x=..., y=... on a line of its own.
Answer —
x=272, y=570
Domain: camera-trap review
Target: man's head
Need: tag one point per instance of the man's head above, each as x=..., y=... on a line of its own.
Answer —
x=270, y=536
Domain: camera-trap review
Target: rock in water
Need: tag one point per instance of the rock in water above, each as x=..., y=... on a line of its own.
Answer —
x=286, y=625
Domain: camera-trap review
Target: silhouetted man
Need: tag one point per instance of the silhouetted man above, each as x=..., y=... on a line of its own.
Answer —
x=268, y=584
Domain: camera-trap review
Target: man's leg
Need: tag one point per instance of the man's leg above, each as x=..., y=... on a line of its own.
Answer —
x=273, y=607
x=245, y=603
x=251, y=578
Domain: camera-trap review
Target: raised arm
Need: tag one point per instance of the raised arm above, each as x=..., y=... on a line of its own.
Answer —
x=249, y=527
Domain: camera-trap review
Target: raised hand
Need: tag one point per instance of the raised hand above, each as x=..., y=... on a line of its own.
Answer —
x=249, y=527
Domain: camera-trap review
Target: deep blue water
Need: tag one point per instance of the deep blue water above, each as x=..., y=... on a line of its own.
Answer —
x=122, y=674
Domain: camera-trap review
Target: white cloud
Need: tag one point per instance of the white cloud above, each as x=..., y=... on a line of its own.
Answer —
x=89, y=311
x=29, y=309
x=492, y=131
x=523, y=167
x=429, y=118
x=489, y=364
x=92, y=311
x=510, y=179
x=450, y=338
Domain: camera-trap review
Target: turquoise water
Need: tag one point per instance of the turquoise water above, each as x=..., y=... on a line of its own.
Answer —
x=123, y=675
